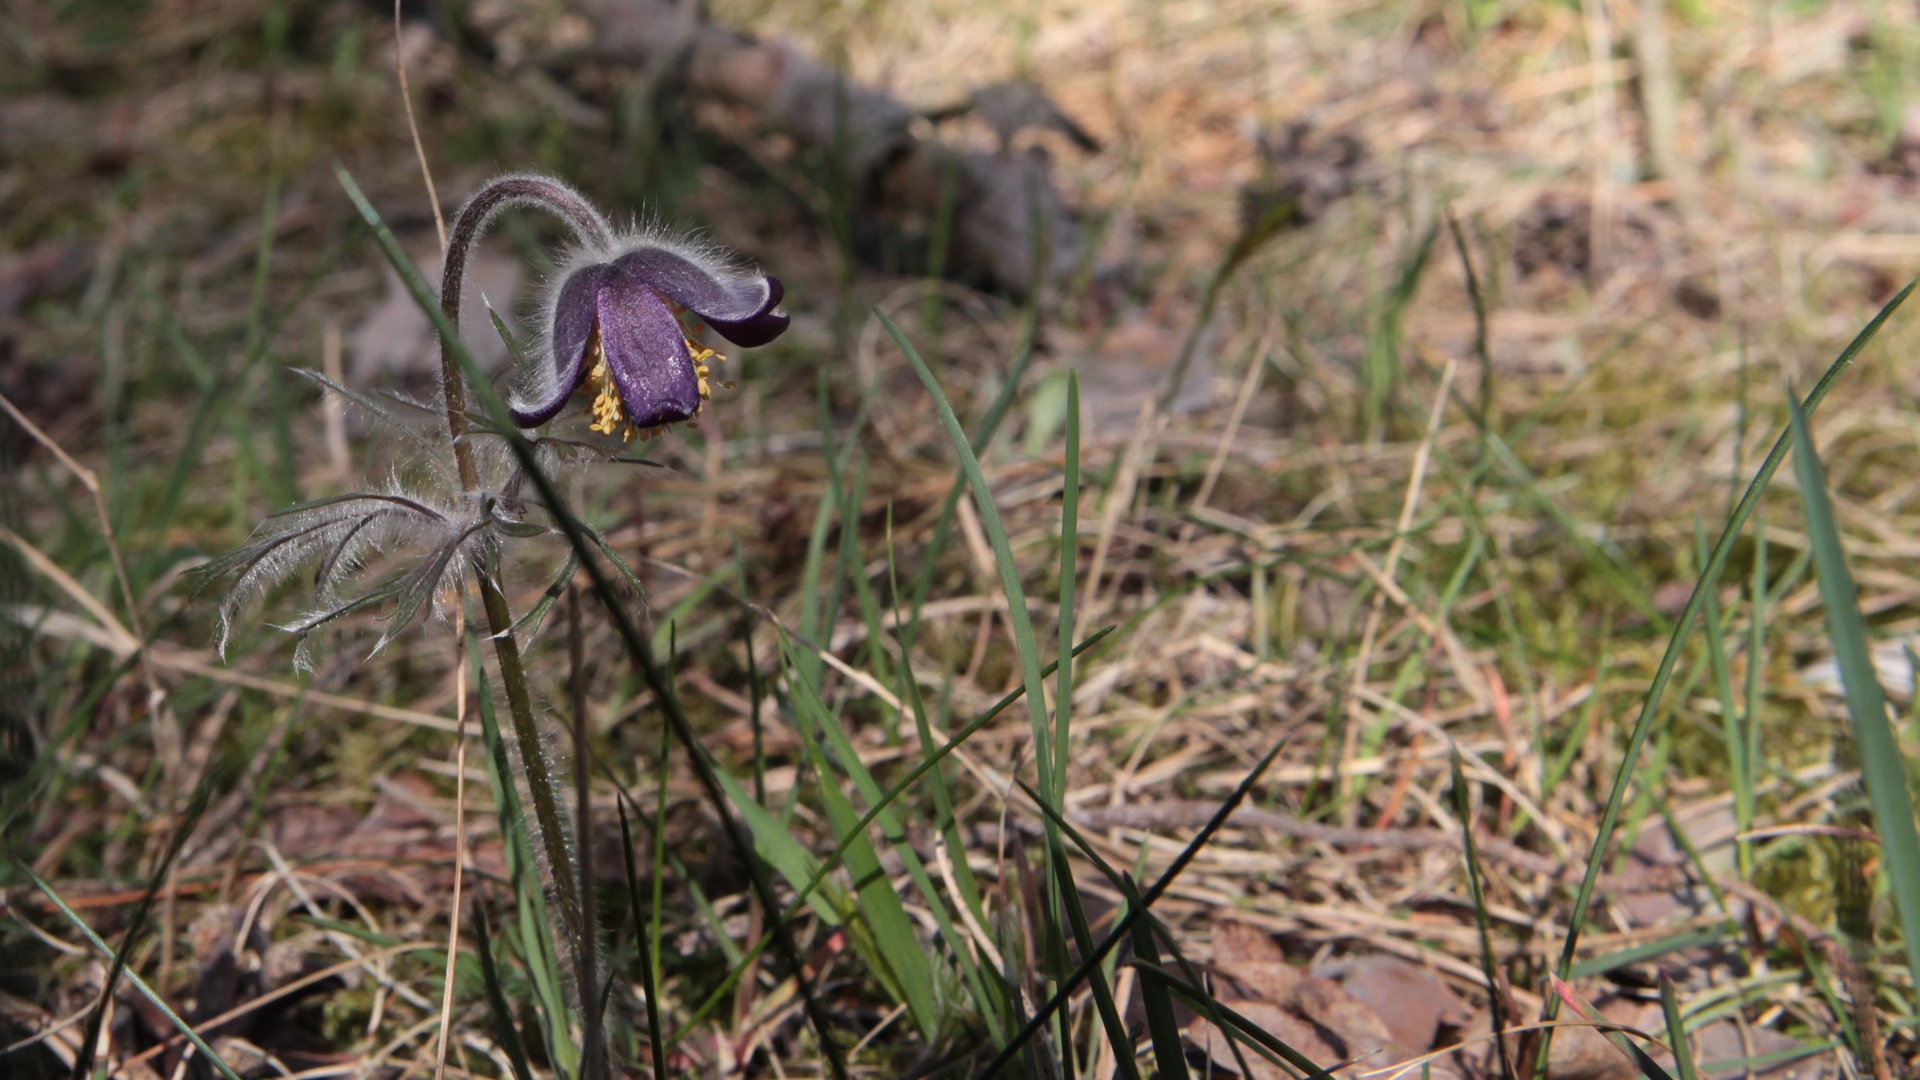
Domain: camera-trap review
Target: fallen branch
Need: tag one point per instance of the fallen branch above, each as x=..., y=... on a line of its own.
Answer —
x=992, y=202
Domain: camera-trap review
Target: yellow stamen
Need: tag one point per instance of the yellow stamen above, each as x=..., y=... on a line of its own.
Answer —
x=608, y=416
x=607, y=413
x=701, y=355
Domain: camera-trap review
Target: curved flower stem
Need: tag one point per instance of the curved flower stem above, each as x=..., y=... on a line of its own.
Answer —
x=499, y=194
x=471, y=224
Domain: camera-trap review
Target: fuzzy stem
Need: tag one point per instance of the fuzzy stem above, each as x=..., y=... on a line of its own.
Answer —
x=593, y=1052
x=533, y=756
x=471, y=224
x=486, y=204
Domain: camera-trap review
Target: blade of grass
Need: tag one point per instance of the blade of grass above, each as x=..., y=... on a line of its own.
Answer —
x=826, y=866
x=1016, y=596
x=1271, y=222
x=811, y=613
x=133, y=979
x=1882, y=766
x=537, y=948
x=886, y=918
x=1235, y=1022
x=1648, y=1067
x=1686, y=939
x=142, y=913
x=1463, y=809
x=754, y=692
x=1125, y=925
x=1738, y=776
x=1117, y=1035
x=988, y=994
x=1169, y=1053
x=1676, y=1030
x=1743, y=800
x=869, y=789
x=1656, y=690
x=982, y=437
x=783, y=852
x=1069, y=572
x=505, y=1031
x=656, y=1034
x=210, y=411
x=871, y=653
x=716, y=926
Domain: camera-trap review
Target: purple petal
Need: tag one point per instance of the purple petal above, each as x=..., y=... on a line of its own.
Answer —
x=646, y=353
x=573, y=315
x=739, y=306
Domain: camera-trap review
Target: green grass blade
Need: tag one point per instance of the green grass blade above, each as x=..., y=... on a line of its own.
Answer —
x=1648, y=1067
x=1016, y=595
x=1656, y=690
x=899, y=950
x=535, y=931
x=211, y=410
x=656, y=1034
x=1739, y=769
x=1125, y=925
x=1882, y=766
x=505, y=1031
x=817, y=881
x=989, y=1003
x=982, y=437
x=1124, y=884
x=1676, y=1030
x=876, y=659
x=1235, y=1024
x=142, y=913
x=932, y=761
x=1743, y=801
x=1169, y=1052
x=754, y=692
x=781, y=850
x=1463, y=809
x=1110, y=1018
x=185, y=1029
x=716, y=926
x=1069, y=573
x=1685, y=939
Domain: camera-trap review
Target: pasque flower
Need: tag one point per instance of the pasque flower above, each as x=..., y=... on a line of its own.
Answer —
x=612, y=327
x=613, y=330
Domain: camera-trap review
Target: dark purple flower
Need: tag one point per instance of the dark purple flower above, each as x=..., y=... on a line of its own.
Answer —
x=614, y=331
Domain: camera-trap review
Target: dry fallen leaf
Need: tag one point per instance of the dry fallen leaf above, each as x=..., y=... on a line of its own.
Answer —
x=1412, y=1000
x=1361, y=1031
x=1275, y=1021
x=1253, y=961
